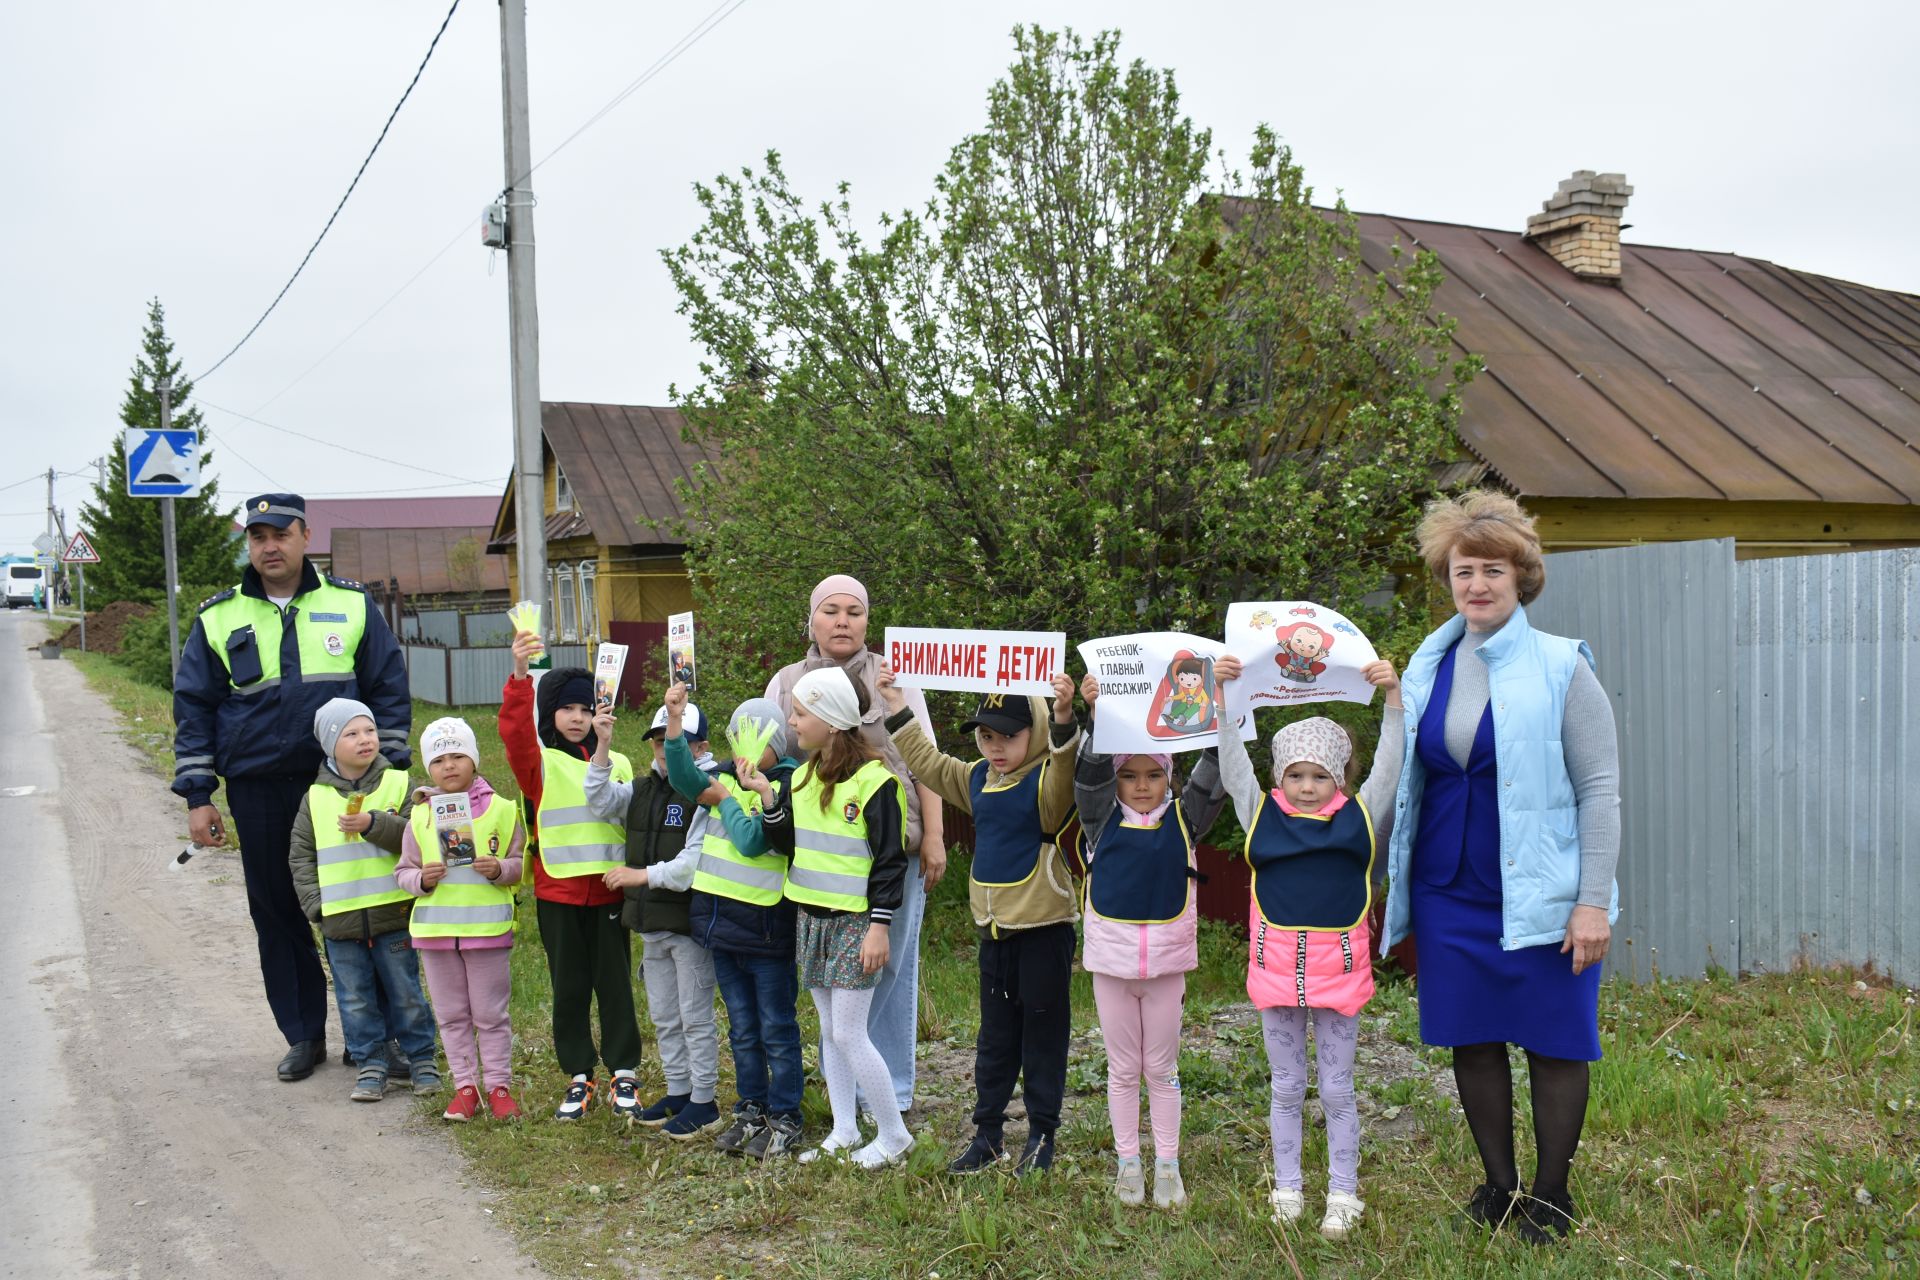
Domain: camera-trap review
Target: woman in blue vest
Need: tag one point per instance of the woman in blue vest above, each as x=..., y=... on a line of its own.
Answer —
x=1506, y=832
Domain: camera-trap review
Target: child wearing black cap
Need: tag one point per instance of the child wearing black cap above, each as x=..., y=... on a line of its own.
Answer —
x=1020, y=794
x=589, y=952
x=675, y=969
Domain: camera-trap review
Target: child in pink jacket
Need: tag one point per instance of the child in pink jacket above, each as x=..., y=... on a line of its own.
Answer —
x=1311, y=846
x=462, y=921
x=1141, y=938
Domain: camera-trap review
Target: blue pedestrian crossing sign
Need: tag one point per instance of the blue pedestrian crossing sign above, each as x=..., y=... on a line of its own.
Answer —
x=162, y=464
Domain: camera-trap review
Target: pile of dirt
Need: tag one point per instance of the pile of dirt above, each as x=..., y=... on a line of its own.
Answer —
x=104, y=627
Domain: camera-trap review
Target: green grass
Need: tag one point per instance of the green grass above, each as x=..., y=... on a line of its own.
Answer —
x=1754, y=1127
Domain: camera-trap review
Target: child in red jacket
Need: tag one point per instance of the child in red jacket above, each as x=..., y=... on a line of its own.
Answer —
x=589, y=955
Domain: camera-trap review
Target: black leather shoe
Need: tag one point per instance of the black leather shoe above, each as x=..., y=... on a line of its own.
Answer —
x=1491, y=1207
x=1550, y=1212
x=1038, y=1156
x=301, y=1059
x=983, y=1152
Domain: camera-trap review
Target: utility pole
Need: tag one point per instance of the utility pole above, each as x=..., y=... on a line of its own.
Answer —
x=166, y=541
x=529, y=479
x=46, y=572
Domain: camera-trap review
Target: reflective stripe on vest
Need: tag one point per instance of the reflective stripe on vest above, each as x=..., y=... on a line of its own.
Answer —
x=354, y=874
x=726, y=872
x=465, y=904
x=831, y=858
x=328, y=624
x=572, y=841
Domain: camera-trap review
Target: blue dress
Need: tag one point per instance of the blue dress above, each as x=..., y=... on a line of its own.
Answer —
x=1470, y=989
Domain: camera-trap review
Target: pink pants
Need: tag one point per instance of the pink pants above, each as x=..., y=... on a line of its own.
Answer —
x=1140, y=1021
x=469, y=990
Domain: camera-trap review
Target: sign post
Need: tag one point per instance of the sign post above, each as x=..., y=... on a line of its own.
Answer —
x=165, y=464
x=80, y=554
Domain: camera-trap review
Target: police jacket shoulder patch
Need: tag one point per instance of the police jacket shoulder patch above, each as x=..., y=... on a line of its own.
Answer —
x=215, y=599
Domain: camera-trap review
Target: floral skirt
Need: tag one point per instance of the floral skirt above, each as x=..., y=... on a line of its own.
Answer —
x=827, y=949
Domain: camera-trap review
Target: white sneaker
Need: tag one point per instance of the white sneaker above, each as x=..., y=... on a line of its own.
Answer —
x=1289, y=1205
x=876, y=1156
x=830, y=1148
x=1169, y=1192
x=1130, y=1182
x=1343, y=1215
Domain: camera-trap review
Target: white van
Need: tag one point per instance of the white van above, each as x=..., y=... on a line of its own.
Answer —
x=20, y=582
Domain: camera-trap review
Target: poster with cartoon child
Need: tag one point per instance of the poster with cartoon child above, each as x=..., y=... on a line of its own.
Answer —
x=1157, y=692
x=1297, y=651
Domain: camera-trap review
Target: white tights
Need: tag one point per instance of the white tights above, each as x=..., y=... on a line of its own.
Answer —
x=850, y=1063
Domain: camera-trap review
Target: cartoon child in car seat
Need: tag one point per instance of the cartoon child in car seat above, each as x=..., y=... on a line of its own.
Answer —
x=1189, y=706
x=1302, y=645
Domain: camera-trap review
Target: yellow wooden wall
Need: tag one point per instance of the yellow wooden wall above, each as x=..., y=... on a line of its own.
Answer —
x=1758, y=528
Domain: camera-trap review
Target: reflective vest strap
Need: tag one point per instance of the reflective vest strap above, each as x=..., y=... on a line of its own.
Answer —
x=572, y=841
x=465, y=904
x=354, y=874
x=726, y=872
x=831, y=857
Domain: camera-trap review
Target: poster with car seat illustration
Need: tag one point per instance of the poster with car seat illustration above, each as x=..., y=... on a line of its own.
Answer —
x=1157, y=692
x=1294, y=651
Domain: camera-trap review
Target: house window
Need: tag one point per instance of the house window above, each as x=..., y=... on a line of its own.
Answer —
x=589, y=605
x=566, y=625
x=562, y=491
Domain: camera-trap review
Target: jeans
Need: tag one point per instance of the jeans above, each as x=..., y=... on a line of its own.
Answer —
x=894, y=1021
x=678, y=973
x=361, y=972
x=763, y=1029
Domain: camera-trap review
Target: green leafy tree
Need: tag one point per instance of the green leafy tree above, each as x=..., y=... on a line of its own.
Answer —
x=126, y=530
x=1098, y=383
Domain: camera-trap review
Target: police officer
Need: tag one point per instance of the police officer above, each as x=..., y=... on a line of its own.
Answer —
x=261, y=659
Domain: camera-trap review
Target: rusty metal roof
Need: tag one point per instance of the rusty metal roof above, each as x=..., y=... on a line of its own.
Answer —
x=422, y=560
x=324, y=515
x=621, y=462
x=1698, y=375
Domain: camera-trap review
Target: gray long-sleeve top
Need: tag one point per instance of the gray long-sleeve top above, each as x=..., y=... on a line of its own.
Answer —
x=1236, y=771
x=1588, y=743
x=1201, y=799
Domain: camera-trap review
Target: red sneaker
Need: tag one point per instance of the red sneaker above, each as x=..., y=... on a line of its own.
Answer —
x=501, y=1103
x=466, y=1101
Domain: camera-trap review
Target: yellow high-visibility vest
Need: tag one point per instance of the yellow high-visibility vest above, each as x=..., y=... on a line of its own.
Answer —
x=572, y=841
x=728, y=873
x=354, y=874
x=465, y=904
x=831, y=858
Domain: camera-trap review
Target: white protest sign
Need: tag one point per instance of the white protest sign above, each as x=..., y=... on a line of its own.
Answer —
x=1296, y=651
x=976, y=661
x=609, y=660
x=680, y=649
x=1156, y=693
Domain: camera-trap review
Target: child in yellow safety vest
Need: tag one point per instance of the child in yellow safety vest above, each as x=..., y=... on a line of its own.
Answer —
x=843, y=826
x=463, y=918
x=345, y=844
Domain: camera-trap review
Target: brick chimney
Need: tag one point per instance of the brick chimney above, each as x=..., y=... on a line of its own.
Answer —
x=1580, y=224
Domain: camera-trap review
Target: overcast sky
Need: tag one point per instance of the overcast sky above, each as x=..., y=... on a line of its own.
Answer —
x=192, y=151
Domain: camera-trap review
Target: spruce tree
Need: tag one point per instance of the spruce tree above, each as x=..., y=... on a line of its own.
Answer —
x=126, y=530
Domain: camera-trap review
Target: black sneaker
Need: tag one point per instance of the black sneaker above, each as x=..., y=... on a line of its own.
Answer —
x=578, y=1098
x=748, y=1120
x=985, y=1151
x=780, y=1136
x=1550, y=1211
x=1038, y=1155
x=398, y=1068
x=661, y=1110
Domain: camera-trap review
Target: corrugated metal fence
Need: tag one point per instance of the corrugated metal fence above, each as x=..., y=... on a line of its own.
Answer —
x=1769, y=733
x=471, y=677
x=451, y=628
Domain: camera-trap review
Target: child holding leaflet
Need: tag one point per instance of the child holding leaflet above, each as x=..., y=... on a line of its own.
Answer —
x=1142, y=937
x=589, y=952
x=1020, y=794
x=843, y=825
x=345, y=844
x=1312, y=848
x=463, y=920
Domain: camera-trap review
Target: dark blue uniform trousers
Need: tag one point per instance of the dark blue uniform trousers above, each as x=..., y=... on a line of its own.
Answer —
x=263, y=814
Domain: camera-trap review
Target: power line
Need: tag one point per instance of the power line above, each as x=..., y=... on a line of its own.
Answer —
x=333, y=444
x=343, y=199
x=701, y=29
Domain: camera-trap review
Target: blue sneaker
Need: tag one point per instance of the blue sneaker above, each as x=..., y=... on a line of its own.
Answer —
x=663, y=1110
x=694, y=1119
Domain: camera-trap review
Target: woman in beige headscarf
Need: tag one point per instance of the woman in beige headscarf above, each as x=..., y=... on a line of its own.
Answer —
x=837, y=625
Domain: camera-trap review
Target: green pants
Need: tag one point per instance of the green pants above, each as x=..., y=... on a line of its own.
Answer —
x=590, y=957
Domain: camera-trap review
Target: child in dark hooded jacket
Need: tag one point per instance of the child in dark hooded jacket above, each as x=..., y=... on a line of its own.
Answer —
x=589, y=951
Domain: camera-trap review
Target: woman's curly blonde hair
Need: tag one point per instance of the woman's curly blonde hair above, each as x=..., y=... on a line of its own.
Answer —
x=1488, y=526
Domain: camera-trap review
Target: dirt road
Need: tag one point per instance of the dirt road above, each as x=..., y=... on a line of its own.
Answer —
x=144, y=1133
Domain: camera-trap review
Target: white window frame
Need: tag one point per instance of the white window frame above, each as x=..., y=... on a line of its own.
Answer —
x=562, y=491
x=586, y=572
x=566, y=621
